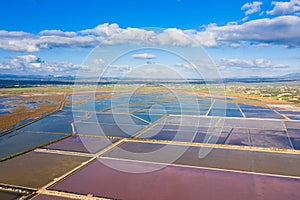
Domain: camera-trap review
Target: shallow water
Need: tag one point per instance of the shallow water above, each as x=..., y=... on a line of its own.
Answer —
x=115, y=130
x=35, y=169
x=225, y=113
x=55, y=124
x=270, y=141
x=253, y=161
x=19, y=141
x=108, y=118
x=186, y=183
x=5, y=195
x=293, y=117
x=81, y=144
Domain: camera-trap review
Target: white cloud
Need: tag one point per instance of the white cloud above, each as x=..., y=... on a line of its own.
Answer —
x=33, y=43
x=18, y=44
x=259, y=63
x=116, y=71
x=4, y=67
x=283, y=8
x=207, y=39
x=60, y=41
x=245, y=18
x=99, y=61
x=184, y=65
x=281, y=30
x=251, y=8
x=104, y=34
x=235, y=67
x=143, y=56
x=4, y=33
x=133, y=35
x=235, y=45
x=58, y=33
x=112, y=34
x=175, y=37
x=105, y=29
x=32, y=64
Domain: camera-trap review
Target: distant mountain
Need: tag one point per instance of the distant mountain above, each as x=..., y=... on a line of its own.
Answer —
x=294, y=76
x=10, y=80
x=256, y=79
x=291, y=76
x=35, y=77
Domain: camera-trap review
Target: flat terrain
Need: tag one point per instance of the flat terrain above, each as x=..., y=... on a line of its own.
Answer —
x=166, y=145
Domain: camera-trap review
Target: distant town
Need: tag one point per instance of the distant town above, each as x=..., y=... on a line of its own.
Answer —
x=289, y=92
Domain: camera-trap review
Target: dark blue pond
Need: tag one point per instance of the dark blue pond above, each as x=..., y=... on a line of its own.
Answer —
x=225, y=113
x=20, y=141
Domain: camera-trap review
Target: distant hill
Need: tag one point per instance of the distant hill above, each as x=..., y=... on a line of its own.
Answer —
x=35, y=77
x=10, y=80
x=291, y=76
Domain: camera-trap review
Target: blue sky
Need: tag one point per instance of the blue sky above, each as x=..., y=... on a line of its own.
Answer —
x=244, y=38
x=68, y=15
